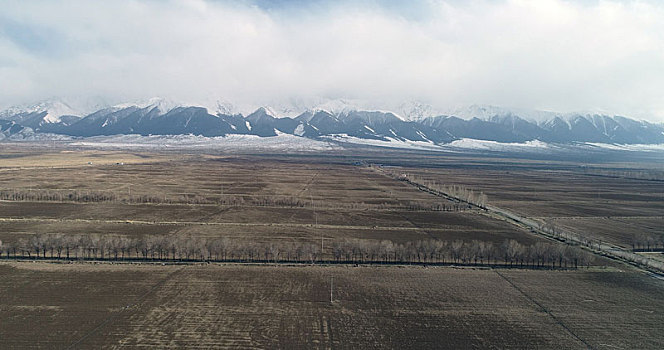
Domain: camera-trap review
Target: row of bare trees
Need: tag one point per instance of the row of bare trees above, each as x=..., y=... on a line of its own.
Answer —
x=459, y=192
x=189, y=248
x=640, y=241
x=647, y=242
x=111, y=196
x=475, y=252
x=32, y=195
x=56, y=195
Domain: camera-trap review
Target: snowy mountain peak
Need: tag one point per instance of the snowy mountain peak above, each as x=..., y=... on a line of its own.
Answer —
x=337, y=106
x=276, y=112
x=267, y=111
x=163, y=105
x=415, y=110
x=53, y=109
x=224, y=107
x=486, y=112
x=43, y=114
x=160, y=116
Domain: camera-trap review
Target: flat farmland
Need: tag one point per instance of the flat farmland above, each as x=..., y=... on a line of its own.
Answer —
x=251, y=307
x=246, y=199
x=200, y=179
x=253, y=200
x=21, y=158
x=620, y=230
x=250, y=223
x=610, y=209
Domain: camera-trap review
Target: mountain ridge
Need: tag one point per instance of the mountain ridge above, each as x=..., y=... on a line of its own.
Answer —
x=163, y=117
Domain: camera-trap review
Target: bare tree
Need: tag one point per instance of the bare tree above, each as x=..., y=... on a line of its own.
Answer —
x=456, y=250
x=512, y=250
x=193, y=248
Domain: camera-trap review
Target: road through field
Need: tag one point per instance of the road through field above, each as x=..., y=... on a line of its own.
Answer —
x=602, y=248
x=598, y=247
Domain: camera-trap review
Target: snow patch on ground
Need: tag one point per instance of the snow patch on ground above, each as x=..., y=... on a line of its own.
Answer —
x=455, y=146
x=389, y=142
x=497, y=146
x=282, y=142
x=625, y=147
x=27, y=135
x=291, y=143
x=533, y=146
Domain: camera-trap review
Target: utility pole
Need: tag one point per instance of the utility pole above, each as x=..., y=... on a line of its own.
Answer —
x=331, y=284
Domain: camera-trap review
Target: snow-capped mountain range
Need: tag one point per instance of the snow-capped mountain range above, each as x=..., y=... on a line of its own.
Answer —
x=330, y=120
x=47, y=112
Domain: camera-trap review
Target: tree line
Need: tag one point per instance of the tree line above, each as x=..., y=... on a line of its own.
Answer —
x=647, y=242
x=38, y=195
x=640, y=241
x=457, y=192
x=191, y=248
x=35, y=195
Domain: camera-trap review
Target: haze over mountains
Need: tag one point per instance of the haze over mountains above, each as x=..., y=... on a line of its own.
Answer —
x=421, y=124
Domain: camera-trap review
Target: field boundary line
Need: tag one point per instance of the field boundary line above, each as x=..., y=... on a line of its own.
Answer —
x=213, y=223
x=182, y=204
x=285, y=263
x=115, y=315
x=425, y=230
x=547, y=311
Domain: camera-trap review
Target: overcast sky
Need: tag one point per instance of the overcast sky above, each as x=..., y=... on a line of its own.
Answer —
x=546, y=54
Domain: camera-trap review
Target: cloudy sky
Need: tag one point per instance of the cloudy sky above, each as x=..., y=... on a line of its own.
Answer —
x=546, y=54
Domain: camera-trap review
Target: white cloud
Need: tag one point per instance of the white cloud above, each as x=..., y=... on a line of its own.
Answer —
x=548, y=54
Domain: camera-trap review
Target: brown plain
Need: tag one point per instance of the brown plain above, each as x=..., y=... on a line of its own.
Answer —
x=86, y=305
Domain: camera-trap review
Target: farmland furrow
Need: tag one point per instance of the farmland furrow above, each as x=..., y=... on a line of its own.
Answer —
x=114, y=316
x=547, y=311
